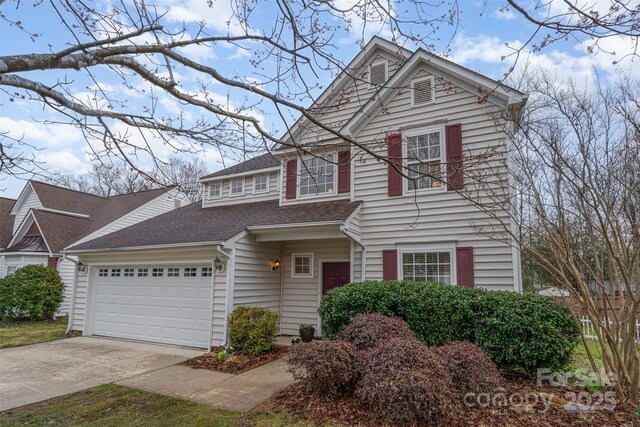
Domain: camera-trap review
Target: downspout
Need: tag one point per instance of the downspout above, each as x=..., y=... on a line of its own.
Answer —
x=213, y=295
x=357, y=240
x=229, y=291
x=72, y=310
x=281, y=284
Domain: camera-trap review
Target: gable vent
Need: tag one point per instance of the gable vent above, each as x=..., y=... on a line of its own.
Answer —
x=423, y=92
x=378, y=74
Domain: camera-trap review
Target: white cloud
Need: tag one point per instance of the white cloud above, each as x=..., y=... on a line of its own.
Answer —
x=40, y=134
x=365, y=19
x=504, y=14
x=481, y=48
x=64, y=160
x=218, y=15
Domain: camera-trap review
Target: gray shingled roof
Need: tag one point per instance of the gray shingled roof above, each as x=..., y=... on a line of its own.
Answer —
x=6, y=221
x=194, y=224
x=261, y=162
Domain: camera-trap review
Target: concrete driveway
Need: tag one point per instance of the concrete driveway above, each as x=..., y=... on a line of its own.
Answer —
x=38, y=372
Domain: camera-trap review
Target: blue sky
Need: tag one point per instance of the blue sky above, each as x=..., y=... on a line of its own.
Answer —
x=479, y=44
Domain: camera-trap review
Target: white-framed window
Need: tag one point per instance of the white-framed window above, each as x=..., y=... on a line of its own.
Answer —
x=302, y=265
x=423, y=91
x=143, y=272
x=207, y=271
x=103, y=272
x=215, y=190
x=317, y=175
x=378, y=72
x=115, y=272
x=11, y=269
x=261, y=183
x=190, y=272
x=429, y=263
x=128, y=272
x=173, y=272
x=157, y=272
x=237, y=187
x=424, y=154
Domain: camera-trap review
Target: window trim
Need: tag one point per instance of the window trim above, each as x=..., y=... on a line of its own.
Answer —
x=266, y=190
x=405, y=158
x=231, y=193
x=300, y=167
x=210, y=186
x=386, y=71
x=441, y=247
x=311, y=265
x=433, y=90
x=171, y=271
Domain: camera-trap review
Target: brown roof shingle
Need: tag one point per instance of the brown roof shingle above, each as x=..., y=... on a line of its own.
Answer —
x=194, y=224
x=260, y=162
x=6, y=221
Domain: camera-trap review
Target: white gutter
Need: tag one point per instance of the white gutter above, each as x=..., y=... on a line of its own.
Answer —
x=296, y=225
x=239, y=174
x=228, y=299
x=137, y=248
x=213, y=295
x=356, y=239
x=67, y=213
x=72, y=310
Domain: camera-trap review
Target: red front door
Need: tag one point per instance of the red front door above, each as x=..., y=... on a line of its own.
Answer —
x=334, y=274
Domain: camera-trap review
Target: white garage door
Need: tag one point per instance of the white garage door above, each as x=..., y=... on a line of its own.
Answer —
x=169, y=305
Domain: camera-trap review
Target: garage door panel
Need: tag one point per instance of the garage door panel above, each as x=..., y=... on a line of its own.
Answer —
x=171, y=310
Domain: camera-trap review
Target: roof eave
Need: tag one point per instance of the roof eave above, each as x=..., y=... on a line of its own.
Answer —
x=139, y=248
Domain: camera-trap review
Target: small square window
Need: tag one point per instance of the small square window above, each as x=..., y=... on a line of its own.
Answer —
x=302, y=265
x=143, y=272
x=173, y=272
x=237, y=187
x=190, y=272
x=103, y=272
x=115, y=272
x=207, y=271
x=157, y=272
x=128, y=272
x=261, y=184
x=215, y=190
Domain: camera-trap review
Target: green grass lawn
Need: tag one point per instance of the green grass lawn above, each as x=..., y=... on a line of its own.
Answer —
x=112, y=405
x=14, y=334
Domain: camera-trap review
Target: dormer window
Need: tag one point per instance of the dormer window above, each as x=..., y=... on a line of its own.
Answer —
x=215, y=190
x=261, y=183
x=237, y=187
x=317, y=175
x=423, y=91
x=378, y=73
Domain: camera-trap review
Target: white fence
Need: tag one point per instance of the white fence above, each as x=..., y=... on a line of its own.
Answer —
x=589, y=331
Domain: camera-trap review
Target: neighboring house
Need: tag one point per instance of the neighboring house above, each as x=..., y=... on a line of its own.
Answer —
x=280, y=230
x=46, y=218
x=553, y=292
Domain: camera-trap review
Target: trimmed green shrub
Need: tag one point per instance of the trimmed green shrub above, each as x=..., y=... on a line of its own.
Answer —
x=252, y=330
x=516, y=330
x=33, y=291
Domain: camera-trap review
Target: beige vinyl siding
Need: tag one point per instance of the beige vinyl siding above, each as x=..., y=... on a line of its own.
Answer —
x=431, y=217
x=338, y=109
x=66, y=268
x=254, y=282
x=196, y=255
x=226, y=199
x=300, y=296
x=153, y=208
x=31, y=202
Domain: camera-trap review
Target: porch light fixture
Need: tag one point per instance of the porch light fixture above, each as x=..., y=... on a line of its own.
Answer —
x=217, y=264
x=82, y=268
x=275, y=265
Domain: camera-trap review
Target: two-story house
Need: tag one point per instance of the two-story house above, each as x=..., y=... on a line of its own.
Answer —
x=46, y=218
x=281, y=229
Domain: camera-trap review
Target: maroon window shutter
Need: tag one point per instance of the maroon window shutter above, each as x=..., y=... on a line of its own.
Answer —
x=394, y=154
x=292, y=178
x=454, y=157
x=464, y=266
x=344, y=171
x=390, y=264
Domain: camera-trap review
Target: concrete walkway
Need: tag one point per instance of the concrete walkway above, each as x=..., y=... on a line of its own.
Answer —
x=37, y=372
x=241, y=392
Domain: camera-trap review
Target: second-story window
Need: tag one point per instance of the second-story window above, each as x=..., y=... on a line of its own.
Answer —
x=261, y=183
x=424, y=160
x=317, y=175
x=237, y=187
x=215, y=190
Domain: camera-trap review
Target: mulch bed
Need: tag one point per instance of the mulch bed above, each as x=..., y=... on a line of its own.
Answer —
x=236, y=364
x=349, y=411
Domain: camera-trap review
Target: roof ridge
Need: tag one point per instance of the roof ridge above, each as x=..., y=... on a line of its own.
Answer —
x=141, y=191
x=67, y=189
